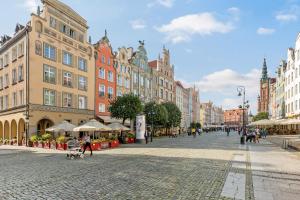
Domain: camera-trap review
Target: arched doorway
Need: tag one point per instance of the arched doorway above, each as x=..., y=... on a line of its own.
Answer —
x=6, y=130
x=21, y=131
x=42, y=125
x=1, y=131
x=14, y=127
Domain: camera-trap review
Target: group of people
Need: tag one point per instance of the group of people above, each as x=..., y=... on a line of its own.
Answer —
x=195, y=131
x=253, y=135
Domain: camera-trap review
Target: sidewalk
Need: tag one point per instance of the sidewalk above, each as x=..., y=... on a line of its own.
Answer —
x=275, y=172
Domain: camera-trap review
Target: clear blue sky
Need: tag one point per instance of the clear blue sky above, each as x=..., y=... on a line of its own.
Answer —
x=216, y=44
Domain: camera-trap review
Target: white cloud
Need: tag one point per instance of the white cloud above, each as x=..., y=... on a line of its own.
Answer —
x=138, y=24
x=182, y=28
x=223, y=84
x=286, y=17
x=165, y=3
x=235, y=12
x=31, y=5
x=265, y=31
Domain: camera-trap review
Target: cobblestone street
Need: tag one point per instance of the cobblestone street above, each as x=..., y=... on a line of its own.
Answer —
x=211, y=166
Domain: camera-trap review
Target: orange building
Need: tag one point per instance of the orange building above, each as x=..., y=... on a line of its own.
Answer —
x=105, y=77
x=234, y=117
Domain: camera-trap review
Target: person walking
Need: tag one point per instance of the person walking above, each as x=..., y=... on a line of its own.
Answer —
x=227, y=130
x=146, y=136
x=194, y=132
x=87, y=143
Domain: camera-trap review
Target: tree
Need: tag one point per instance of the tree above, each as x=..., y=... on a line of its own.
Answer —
x=126, y=107
x=198, y=125
x=260, y=116
x=156, y=114
x=174, y=114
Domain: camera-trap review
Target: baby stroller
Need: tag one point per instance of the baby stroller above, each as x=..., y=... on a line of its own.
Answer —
x=74, y=150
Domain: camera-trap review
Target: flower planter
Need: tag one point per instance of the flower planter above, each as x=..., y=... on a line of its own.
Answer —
x=35, y=144
x=47, y=145
x=130, y=140
x=104, y=145
x=114, y=144
x=62, y=146
x=53, y=145
x=40, y=144
x=96, y=146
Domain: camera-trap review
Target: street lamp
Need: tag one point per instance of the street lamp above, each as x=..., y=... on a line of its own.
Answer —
x=245, y=105
x=152, y=113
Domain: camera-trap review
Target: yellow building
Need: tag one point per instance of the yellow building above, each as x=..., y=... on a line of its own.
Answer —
x=47, y=73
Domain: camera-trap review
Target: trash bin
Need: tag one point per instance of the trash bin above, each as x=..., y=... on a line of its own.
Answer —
x=242, y=140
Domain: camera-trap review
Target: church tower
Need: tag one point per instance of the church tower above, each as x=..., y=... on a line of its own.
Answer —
x=263, y=100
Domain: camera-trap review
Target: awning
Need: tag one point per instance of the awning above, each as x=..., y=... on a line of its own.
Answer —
x=92, y=125
x=118, y=127
x=63, y=126
x=109, y=120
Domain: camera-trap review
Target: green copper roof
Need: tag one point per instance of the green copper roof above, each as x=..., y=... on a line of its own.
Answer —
x=264, y=75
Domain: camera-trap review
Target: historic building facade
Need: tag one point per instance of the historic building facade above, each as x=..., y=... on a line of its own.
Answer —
x=280, y=91
x=263, y=99
x=53, y=46
x=234, y=117
x=163, y=78
x=211, y=115
x=105, y=77
x=123, y=70
x=141, y=74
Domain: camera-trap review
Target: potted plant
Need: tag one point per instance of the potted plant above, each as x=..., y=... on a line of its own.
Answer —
x=104, y=143
x=46, y=139
x=14, y=141
x=130, y=138
x=61, y=143
x=53, y=143
x=40, y=142
x=1, y=141
x=114, y=142
x=34, y=140
x=96, y=145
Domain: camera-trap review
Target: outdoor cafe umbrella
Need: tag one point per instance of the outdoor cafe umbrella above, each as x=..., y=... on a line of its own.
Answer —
x=92, y=125
x=118, y=127
x=290, y=121
x=63, y=126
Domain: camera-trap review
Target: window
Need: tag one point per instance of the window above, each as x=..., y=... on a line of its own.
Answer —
x=161, y=93
x=127, y=83
x=53, y=22
x=67, y=79
x=110, y=76
x=161, y=83
x=1, y=82
x=14, y=76
x=82, y=83
x=14, y=54
x=103, y=59
x=82, y=102
x=6, y=80
x=5, y=102
x=80, y=38
x=135, y=92
x=135, y=78
x=119, y=93
x=110, y=92
x=49, y=74
x=101, y=90
x=119, y=80
x=49, y=97
x=67, y=100
x=82, y=64
x=1, y=63
x=1, y=103
x=21, y=94
x=20, y=73
x=102, y=73
x=141, y=80
x=49, y=52
x=147, y=83
x=6, y=59
x=21, y=49
x=14, y=99
x=108, y=61
x=38, y=48
x=167, y=95
x=67, y=58
x=101, y=107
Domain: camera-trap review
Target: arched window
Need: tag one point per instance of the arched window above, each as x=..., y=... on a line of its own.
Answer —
x=38, y=26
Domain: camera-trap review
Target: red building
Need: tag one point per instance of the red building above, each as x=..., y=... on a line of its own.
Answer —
x=105, y=77
x=234, y=117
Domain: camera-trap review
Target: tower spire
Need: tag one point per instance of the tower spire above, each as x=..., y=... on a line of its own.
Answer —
x=264, y=75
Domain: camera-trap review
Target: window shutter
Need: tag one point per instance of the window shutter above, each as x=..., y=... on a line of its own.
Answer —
x=58, y=99
x=75, y=82
x=59, y=55
x=58, y=77
x=74, y=61
x=75, y=101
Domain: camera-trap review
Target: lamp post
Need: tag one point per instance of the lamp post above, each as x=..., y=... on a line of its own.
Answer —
x=152, y=113
x=245, y=105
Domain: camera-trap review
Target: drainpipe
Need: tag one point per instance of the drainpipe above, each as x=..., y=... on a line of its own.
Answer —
x=28, y=29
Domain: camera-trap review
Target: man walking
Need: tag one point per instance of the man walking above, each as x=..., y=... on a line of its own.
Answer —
x=87, y=143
